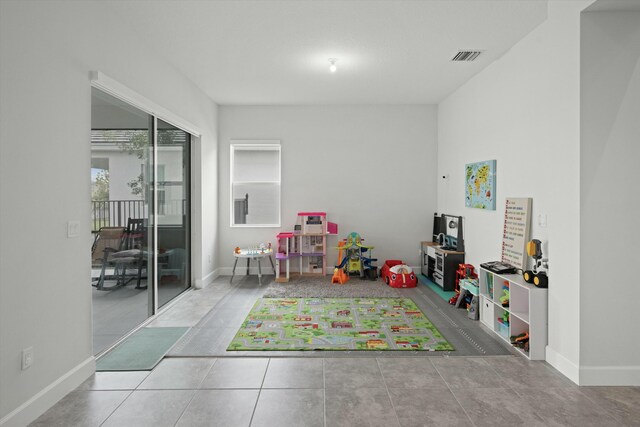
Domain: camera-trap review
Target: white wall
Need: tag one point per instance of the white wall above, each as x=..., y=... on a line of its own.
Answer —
x=523, y=110
x=371, y=168
x=47, y=49
x=610, y=202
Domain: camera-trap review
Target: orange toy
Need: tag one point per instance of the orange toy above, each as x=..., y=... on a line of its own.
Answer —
x=339, y=276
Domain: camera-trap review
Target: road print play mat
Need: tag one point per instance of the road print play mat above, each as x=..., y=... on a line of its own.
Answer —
x=338, y=324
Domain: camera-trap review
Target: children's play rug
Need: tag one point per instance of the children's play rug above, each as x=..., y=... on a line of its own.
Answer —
x=338, y=324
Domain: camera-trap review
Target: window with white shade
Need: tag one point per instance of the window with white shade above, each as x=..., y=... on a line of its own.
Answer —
x=255, y=184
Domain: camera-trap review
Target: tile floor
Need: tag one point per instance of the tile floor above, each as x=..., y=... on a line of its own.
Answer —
x=327, y=392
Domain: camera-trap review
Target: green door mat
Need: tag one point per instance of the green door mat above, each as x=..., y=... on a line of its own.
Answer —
x=338, y=324
x=141, y=351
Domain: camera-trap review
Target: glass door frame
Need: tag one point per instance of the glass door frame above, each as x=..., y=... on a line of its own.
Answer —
x=153, y=216
x=111, y=87
x=187, y=214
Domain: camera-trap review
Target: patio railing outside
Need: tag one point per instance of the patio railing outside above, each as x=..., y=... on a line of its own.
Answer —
x=115, y=213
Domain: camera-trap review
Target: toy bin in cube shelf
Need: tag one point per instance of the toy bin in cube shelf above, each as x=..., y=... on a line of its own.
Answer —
x=503, y=330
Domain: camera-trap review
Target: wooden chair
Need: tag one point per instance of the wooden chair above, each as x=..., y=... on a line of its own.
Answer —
x=129, y=254
x=106, y=237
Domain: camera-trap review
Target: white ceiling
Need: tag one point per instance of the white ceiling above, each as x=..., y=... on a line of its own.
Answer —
x=268, y=52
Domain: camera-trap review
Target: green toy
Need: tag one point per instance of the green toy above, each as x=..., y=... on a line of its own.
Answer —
x=504, y=299
x=505, y=318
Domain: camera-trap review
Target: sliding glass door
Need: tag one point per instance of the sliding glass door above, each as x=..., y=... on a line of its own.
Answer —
x=172, y=190
x=140, y=199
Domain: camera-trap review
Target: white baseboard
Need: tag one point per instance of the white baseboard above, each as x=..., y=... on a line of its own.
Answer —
x=563, y=365
x=610, y=375
x=242, y=270
x=206, y=280
x=50, y=395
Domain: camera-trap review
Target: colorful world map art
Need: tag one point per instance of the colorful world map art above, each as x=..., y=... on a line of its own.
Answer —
x=480, y=185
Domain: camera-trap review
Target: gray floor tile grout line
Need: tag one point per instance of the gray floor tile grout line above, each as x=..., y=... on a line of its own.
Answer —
x=193, y=395
x=207, y=374
x=513, y=390
x=324, y=394
x=264, y=377
x=117, y=407
x=610, y=414
x=386, y=387
x=499, y=375
x=452, y=393
x=195, y=391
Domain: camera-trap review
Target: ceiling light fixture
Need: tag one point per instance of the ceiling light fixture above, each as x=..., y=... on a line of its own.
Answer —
x=332, y=67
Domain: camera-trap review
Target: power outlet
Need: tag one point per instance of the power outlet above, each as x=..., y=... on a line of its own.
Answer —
x=210, y=258
x=27, y=358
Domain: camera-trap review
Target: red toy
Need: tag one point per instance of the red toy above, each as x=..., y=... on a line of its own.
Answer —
x=397, y=274
x=465, y=271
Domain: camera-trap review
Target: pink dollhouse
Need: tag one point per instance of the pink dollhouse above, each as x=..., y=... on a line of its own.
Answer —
x=306, y=245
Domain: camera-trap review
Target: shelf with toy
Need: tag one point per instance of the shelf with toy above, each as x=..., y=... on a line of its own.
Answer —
x=501, y=322
x=520, y=302
x=486, y=284
x=519, y=336
x=516, y=311
x=487, y=310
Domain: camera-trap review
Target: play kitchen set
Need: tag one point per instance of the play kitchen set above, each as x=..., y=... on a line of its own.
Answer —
x=441, y=257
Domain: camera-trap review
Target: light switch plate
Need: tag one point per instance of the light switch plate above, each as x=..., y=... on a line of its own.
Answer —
x=542, y=220
x=73, y=229
x=27, y=358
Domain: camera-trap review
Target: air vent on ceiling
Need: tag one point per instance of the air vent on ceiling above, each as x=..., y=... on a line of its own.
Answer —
x=466, y=55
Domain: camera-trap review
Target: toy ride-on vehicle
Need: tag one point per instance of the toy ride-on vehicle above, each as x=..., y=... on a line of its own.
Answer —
x=538, y=274
x=397, y=274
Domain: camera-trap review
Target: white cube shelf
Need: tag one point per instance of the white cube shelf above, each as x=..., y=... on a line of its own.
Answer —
x=527, y=310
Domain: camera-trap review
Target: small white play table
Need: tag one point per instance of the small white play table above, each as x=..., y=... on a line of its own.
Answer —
x=250, y=254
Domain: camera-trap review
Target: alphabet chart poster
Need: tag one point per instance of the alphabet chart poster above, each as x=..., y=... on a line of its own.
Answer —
x=517, y=225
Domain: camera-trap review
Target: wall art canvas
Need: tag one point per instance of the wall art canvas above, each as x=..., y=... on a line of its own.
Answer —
x=480, y=185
